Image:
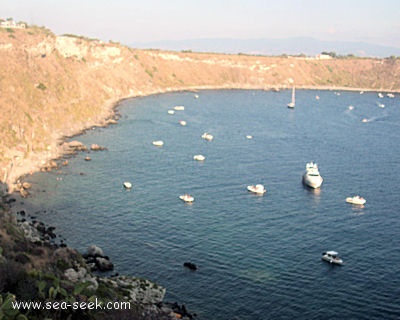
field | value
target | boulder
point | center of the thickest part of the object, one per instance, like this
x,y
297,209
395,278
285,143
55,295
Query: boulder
x,y
104,264
96,260
80,276
96,147
26,185
74,146
94,251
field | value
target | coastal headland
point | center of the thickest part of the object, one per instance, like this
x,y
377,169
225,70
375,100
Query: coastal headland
x,y
52,87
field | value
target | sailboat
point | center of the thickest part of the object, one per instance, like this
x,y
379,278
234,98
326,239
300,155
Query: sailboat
x,y
292,103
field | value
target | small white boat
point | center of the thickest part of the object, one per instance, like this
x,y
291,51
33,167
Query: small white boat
x,y
364,120
158,143
258,188
207,136
381,105
380,95
351,107
196,96
249,137
186,197
127,185
390,95
311,177
199,157
356,200
171,112
332,257
179,108
183,123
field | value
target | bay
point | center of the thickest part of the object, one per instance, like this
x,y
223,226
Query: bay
x,y
258,257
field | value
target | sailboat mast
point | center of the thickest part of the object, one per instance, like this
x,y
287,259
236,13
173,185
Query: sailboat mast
x,y
293,102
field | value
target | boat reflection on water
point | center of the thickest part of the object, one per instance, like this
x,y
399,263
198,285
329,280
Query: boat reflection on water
x,y
315,194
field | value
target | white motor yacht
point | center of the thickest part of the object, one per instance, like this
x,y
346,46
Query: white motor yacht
x,y
311,177
332,257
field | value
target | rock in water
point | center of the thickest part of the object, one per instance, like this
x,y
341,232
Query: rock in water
x,y
190,265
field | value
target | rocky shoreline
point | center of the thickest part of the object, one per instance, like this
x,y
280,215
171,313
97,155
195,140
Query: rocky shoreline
x,y
90,270
93,267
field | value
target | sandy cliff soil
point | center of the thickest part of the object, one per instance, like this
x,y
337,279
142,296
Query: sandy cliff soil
x,y
54,86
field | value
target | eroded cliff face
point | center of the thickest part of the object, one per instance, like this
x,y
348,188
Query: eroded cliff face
x,y
54,86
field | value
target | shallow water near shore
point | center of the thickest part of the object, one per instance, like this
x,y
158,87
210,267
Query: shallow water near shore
x,y
258,257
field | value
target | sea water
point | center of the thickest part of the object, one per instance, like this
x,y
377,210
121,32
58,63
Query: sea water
x,y
258,257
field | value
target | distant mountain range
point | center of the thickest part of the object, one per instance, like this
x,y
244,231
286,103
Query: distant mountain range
x,y
289,46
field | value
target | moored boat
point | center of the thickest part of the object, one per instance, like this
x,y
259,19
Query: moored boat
x,y
258,189
186,197
158,143
332,257
356,200
311,177
207,136
179,108
292,103
199,157
127,185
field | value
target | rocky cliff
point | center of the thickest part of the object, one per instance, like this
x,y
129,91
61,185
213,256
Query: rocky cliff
x,y
54,86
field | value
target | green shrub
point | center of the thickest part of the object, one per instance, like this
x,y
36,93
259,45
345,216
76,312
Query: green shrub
x,y
41,86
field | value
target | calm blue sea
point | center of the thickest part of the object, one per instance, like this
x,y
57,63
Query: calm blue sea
x,y
258,257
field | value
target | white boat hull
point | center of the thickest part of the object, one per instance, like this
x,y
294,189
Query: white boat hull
x,y
207,136
127,185
332,260
186,198
312,181
158,143
356,200
257,190
199,157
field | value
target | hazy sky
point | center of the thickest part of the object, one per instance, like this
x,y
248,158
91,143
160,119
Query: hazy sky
x,y
130,21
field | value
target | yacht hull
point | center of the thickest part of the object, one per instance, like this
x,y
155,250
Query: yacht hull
x,y
312,181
